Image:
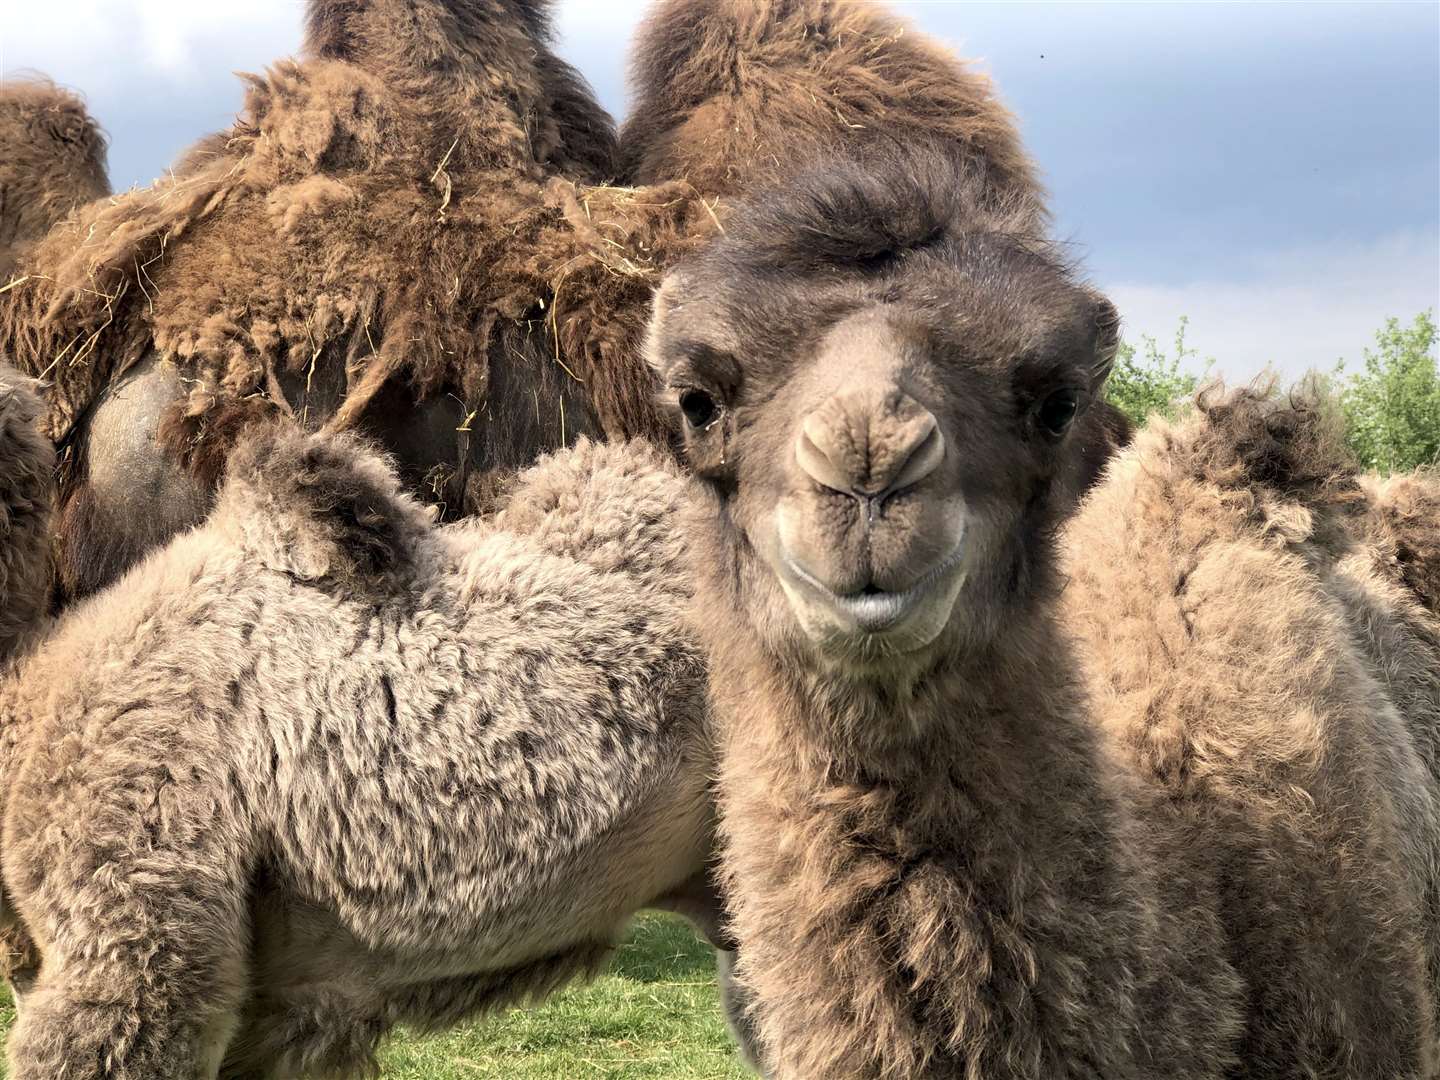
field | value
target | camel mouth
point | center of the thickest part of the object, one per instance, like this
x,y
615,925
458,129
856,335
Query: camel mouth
x,y
870,612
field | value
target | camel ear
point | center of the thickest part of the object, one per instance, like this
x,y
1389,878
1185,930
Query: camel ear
x,y
1107,341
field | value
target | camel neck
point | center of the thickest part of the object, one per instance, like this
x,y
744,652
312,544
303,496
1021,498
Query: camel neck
x,y
902,724
919,870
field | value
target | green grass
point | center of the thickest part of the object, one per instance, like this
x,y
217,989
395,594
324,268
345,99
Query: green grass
x,y
655,1014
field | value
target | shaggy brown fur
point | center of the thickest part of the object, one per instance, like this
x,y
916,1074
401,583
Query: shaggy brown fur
x,y
26,467
731,91
277,269
395,218
339,770
940,864
52,160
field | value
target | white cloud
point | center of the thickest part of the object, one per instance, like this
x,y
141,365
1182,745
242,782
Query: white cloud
x,y
100,43
1298,310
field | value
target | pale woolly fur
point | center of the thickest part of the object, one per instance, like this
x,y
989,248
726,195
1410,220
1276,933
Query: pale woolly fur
x,y
319,767
26,467
1248,661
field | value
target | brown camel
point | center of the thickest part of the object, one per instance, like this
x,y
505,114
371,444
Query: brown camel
x,y
53,161
26,467
409,233
1153,815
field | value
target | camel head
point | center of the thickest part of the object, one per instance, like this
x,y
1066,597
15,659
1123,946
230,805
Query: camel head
x,y
887,384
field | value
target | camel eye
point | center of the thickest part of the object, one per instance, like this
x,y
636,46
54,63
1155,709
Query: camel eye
x,y
700,409
1057,410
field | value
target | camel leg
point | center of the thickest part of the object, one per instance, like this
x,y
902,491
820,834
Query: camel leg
x,y
99,1015
81,1024
735,1002
699,901
137,894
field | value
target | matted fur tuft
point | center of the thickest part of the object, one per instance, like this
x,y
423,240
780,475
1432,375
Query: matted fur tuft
x,y
26,472
1292,443
321,507
1402,515
52,160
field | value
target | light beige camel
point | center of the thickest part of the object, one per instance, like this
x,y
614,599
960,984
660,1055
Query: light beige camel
x,y
319,767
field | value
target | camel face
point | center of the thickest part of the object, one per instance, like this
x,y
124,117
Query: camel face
x,y
882,382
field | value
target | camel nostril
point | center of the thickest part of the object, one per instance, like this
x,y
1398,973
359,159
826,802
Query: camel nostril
x,y
812,457
924,457
869,446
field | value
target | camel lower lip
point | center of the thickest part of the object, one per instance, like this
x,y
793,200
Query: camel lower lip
x,y
875,612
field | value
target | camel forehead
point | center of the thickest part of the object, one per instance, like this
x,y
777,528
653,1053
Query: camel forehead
x,y
972,315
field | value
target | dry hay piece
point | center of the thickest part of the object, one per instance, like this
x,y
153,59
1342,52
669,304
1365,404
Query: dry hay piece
x,y
52,159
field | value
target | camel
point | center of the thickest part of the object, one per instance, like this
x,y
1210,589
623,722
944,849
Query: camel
x,y
1403,520
1003,796
319,766
54,161
26,466
275,270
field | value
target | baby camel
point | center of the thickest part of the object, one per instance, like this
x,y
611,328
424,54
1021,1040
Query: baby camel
x,y
319,767
945,855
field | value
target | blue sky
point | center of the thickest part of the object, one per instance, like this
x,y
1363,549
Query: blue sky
x,y
1270,170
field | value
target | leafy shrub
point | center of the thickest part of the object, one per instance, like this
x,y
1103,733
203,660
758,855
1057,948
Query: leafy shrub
x,y
1392,405
1146,380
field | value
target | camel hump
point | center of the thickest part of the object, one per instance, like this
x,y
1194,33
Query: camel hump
x,y
324,507
728,91
1291,445
52,159
338,29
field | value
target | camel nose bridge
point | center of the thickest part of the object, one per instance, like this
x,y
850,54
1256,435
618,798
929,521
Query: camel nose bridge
x,y
869,442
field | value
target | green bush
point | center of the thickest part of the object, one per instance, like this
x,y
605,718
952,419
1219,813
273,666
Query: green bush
x,y
1146,380
1392,405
